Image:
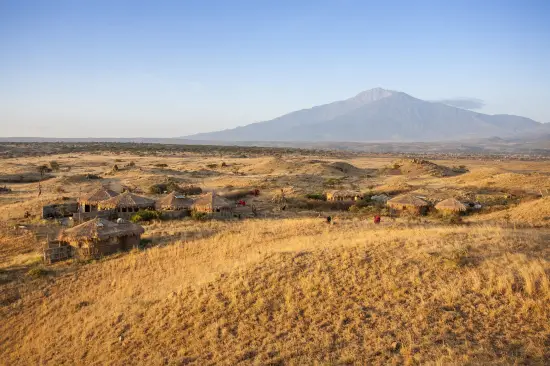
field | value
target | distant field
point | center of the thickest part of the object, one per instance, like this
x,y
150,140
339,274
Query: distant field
x,y
284,287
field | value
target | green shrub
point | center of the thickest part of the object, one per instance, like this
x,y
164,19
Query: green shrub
x,y
146,215
54,165
316,196
199,216
169,186
43,169
191,190
37,272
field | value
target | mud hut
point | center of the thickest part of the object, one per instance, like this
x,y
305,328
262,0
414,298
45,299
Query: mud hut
x,y
409,202
174,205
99,237
344,195
125,204
214,205
451,205
90,201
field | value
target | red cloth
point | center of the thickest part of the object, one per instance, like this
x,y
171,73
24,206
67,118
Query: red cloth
x,y
376,219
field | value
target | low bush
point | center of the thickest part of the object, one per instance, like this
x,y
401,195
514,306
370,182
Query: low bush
x,y
146,215
92,176
316,196
191,190
161,165
199,216
212,166
169,186
54,165
37,272
317,205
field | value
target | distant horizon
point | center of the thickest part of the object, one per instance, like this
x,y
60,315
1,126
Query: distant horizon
x,y
175,68
183,137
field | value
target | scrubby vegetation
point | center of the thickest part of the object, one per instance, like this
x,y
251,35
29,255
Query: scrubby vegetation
x,y
146,215
165,187
316,196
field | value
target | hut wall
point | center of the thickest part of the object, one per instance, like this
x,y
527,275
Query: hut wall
x,y
85,216
98,248
203,208
222,213
129,242
59,210
343,198
87,207
422,210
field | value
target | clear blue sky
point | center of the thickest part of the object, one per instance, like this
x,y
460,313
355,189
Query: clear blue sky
x,y
172,68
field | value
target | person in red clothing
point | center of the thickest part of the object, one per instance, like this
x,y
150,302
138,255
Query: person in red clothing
x,y
377,219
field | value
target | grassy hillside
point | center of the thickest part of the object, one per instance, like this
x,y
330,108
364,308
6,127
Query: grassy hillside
x,y
293,292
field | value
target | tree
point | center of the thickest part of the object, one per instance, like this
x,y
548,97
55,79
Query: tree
x,y
43,169
54,165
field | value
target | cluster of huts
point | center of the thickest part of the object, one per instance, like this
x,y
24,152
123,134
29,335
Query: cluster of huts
x,y
405,202
108,204
418,205
105,228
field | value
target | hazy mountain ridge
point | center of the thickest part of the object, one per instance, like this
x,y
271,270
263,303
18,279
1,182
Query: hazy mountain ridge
x,y
378,115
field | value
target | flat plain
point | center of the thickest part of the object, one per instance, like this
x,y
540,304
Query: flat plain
x,y
283,287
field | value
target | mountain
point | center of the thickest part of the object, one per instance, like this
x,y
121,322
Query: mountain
x,y
378,115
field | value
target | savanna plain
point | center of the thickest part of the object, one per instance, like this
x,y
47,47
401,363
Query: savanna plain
x,y
281,286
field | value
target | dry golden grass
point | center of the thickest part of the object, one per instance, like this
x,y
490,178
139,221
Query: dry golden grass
x,y
286,291
296,292
533,213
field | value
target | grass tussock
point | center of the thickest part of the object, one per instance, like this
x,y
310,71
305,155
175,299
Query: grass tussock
x,y
296,292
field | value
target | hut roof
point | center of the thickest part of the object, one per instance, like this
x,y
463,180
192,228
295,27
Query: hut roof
x,y
100,194
408,200
451,204
173,201
344,193
101,229
127,199
213,200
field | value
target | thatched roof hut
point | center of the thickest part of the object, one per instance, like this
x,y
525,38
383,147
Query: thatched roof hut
x,y
344,195
211,202
451,205
127,201
100,237
408,201
101,229
96,196
173,201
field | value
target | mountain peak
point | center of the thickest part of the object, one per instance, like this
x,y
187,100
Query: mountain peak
x,y
377,115
374,94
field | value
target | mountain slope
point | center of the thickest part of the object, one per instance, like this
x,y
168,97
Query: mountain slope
x,y
376,115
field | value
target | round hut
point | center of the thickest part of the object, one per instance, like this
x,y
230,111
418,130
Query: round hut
x,y
214,205
409,202
343,195
90,201
127,203
451,205
174,205
99,237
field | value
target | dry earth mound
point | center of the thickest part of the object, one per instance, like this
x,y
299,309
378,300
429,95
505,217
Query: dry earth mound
x,y
281,166
417,167
533,213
